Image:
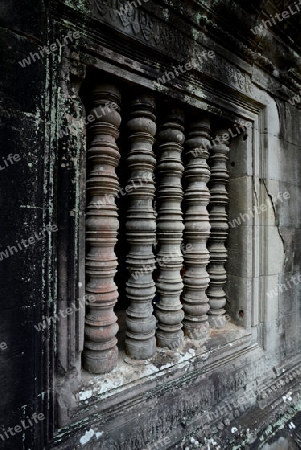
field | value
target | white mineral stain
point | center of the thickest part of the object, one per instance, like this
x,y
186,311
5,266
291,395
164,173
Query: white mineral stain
x,y
87,437
85,395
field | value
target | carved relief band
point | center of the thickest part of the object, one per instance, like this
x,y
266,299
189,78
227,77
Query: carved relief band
x,y
141,230
101,353
169,230
160,34
219,229
197,230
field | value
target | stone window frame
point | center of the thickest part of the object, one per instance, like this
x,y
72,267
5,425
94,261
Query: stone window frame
x,y
257,108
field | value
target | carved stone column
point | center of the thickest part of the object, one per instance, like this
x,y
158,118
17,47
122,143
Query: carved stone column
x,y
197,230
101,353
169,231
219,229
141,230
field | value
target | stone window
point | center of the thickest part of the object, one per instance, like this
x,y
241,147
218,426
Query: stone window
x,y
156,225
146,246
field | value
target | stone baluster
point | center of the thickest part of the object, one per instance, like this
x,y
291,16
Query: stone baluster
x,y
169,231
219,229
141,230
197,230
100,352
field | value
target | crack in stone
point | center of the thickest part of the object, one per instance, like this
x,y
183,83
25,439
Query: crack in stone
x,y
276,217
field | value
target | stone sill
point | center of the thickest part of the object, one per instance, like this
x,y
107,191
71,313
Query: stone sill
x,y
132,378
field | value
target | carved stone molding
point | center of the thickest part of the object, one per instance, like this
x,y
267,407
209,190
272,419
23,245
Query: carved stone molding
x,y
197,230
219,228
71,170
161,35
141,230
101,353
169,230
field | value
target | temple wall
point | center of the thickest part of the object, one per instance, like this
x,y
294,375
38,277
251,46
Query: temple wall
x,y
240,385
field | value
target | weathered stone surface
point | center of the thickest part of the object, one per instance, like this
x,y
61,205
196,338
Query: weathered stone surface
x,y
141,230
219,228
197,230
101,353
22,215
170,229
200,392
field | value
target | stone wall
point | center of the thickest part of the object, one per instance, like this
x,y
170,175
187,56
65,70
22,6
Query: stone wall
x,y
242,385
23,187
